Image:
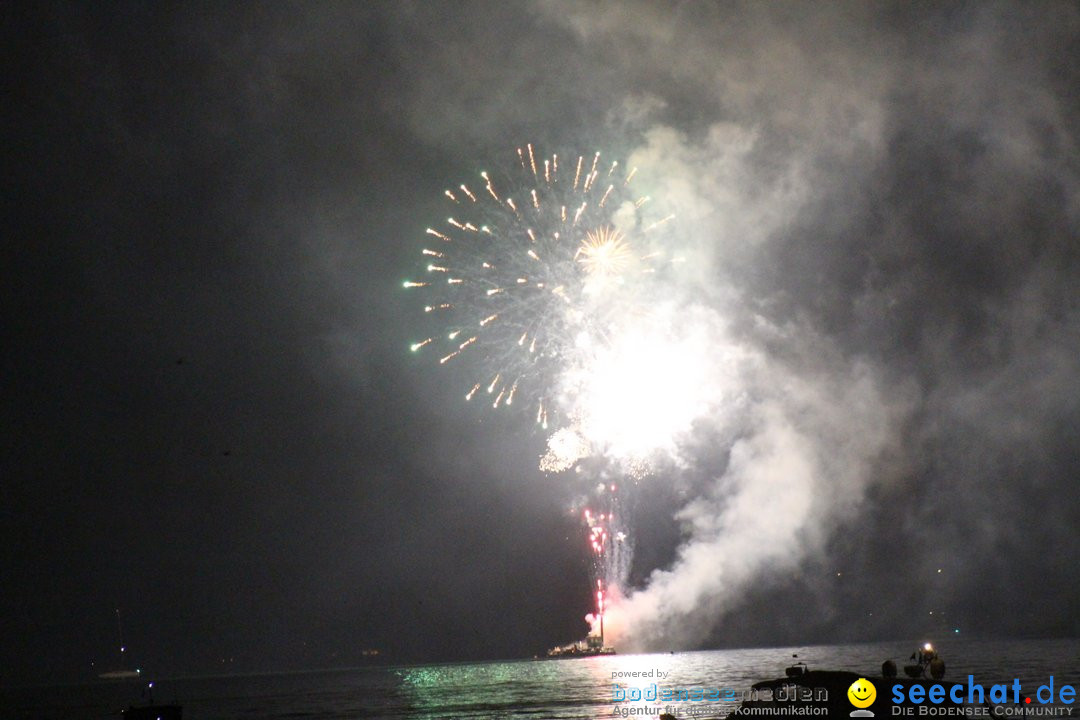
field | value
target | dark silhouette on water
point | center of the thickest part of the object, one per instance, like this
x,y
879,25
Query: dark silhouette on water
x,y
150,711
828,689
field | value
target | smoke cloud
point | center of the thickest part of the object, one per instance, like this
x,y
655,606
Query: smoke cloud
x,y
880,235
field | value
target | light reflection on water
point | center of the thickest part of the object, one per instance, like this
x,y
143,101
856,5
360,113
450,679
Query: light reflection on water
x,y
558,689
582,687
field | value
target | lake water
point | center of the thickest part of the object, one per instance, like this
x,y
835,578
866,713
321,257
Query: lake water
x,y
572,688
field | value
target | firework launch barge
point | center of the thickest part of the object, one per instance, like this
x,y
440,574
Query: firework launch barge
x,y
590,646
593,644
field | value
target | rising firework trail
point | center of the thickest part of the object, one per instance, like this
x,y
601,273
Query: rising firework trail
x,y
610,551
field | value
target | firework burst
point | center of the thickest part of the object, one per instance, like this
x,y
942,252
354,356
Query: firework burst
x,y
530,274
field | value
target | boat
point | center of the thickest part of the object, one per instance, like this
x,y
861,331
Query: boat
x,y
589,647
579,649
121,672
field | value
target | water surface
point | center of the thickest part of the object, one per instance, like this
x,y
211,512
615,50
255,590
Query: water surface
x,y
533,689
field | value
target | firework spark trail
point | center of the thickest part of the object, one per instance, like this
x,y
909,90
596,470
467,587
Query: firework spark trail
x,y
611,551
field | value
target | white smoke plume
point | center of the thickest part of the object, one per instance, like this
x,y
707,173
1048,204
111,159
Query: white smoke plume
x,y
806,428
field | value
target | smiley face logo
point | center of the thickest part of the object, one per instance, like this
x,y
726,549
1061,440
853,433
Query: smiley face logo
x,y
862,693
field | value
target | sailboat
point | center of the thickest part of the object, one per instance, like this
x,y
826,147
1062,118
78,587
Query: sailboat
x,y
122,672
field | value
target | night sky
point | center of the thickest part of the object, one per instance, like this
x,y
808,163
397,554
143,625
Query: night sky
x,y
210,418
